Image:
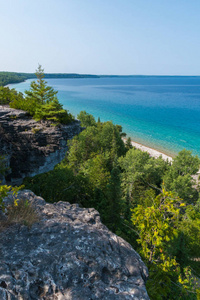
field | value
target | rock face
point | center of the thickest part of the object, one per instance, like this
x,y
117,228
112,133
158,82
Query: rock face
x,y
68,254
31,147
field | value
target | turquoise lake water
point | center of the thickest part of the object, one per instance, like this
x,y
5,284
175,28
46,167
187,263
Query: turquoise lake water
x,y
161,112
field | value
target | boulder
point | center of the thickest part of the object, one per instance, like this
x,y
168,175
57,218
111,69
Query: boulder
x,y
67,254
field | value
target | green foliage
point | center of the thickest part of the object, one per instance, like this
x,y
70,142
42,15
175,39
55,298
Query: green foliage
x,y
11,77
95,169
110,138
114,201
182,185
184,163
24,104
39,91
19,211
53,111
8,95
86,119
83,147
178,178
58,185
190,227
129,189
104,138
157,226
4,190
40,101
128,144
140,172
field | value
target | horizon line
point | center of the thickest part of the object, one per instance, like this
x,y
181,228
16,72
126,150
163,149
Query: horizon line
x,y
105,75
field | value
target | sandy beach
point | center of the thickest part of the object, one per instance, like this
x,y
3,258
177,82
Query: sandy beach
x,y
151,151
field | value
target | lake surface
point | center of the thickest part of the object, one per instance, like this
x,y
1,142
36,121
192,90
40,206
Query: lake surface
x,y
162,112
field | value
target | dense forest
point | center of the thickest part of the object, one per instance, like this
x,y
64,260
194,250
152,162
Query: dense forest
x,y
11,77
151,203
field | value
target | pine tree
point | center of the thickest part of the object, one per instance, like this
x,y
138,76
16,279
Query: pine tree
x,y
53,111
128,144
39,91
114,199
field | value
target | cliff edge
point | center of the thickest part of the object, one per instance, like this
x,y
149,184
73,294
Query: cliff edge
x,y
67,254
31,147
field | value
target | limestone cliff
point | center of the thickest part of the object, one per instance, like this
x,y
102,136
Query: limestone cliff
x,y
68,254
31,147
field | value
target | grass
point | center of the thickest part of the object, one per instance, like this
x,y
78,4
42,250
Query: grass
x,y
20,212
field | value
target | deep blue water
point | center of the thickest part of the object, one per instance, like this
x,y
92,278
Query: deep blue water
x,y
162,112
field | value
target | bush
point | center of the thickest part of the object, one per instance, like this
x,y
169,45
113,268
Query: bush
x,y
29,105
8,95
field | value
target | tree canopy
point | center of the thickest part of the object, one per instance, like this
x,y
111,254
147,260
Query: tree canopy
x,y
40,101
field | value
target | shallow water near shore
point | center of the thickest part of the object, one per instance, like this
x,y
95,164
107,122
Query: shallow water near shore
x,y
162,112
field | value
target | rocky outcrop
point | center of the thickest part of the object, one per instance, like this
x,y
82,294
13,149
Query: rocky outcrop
x,y
31,147
68,254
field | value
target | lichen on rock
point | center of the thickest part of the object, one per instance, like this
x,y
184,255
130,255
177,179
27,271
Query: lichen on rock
x,y
67,254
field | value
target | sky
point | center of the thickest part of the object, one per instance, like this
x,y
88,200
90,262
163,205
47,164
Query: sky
x,y
123,37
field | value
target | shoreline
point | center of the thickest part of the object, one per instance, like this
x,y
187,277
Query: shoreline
x,y
153,152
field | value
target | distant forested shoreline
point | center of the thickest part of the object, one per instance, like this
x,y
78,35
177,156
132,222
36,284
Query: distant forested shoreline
x,y
14,77
11,77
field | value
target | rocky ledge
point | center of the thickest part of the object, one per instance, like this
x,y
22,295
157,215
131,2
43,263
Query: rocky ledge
x,y
68,254
31,147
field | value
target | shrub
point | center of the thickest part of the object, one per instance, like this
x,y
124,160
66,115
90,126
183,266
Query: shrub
x,y
8,95
4,189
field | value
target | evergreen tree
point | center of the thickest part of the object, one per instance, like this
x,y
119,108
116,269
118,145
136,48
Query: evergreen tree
x,y
114,200
39,91
128,144
53,111
96,170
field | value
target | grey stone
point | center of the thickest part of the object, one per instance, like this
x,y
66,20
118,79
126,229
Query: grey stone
x,y
67,254
31,147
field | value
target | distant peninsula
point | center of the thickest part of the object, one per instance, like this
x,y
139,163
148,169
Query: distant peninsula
x,y
14,77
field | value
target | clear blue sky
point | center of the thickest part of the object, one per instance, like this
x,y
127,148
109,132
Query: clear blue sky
x,y
101,36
